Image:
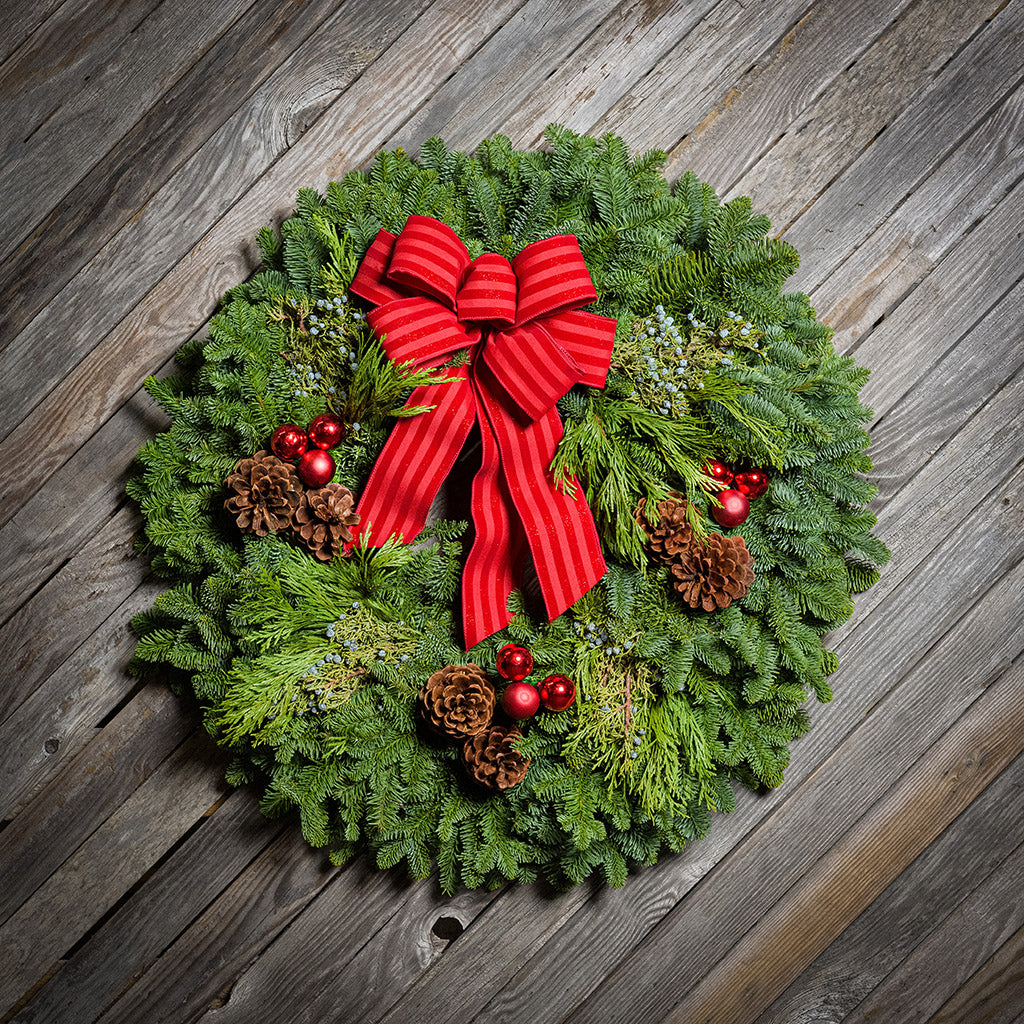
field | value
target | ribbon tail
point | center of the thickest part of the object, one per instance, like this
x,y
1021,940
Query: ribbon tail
x,y
414,462
560,530
495,559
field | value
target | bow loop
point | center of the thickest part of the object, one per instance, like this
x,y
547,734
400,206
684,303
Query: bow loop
x,y
552,278
489,292
429,257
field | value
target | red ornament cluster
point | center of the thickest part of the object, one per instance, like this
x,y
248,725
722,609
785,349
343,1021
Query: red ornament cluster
x,y
291,443
522,699
741,488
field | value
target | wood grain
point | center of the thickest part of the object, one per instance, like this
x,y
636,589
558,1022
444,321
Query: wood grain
x,y
207,860
40,171
198,971
159,226
59,59
797,928
121,184
124,754
923,909
978,77
21,20
956,951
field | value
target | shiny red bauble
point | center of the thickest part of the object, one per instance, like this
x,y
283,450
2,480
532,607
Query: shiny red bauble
x,y
734,509
751,482
520,700
514,662
719,471
315,468
557,692
326,431
288,442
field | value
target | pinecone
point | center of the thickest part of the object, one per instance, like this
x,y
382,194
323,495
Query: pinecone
x,y
266,493
491,757
714,574
323,519
671,534
458,701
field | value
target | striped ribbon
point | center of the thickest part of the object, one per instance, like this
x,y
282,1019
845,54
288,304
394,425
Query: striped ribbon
x,y
528,343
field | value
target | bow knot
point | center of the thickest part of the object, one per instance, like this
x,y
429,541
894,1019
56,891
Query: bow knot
x,y
528,343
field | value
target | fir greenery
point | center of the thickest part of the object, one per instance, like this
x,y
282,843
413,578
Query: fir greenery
x,y
309,672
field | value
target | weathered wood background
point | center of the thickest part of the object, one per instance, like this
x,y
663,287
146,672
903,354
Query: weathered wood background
x,y
144,142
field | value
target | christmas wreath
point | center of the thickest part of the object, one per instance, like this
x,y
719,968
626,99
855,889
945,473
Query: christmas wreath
x,y
655,510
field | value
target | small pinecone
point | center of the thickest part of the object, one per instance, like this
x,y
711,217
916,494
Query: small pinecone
x,y
492,759
671,534
714,574
265,494
324,519
458,701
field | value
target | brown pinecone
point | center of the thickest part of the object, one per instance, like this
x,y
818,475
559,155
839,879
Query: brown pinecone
x,y
671,533
714,574
458,701
492,759
265,494
323,519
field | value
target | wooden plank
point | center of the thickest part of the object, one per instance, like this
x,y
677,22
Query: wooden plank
x,y
800,156
52,527
972,278
61,56
877,275
961,946
60,718
155,914
762,105
88,791
938,787
354,973
978,78
88,589
108,864
350,131
121,184
596,76
584,48
600,936
199,970
994,994
910,433
672,99
20,20
942,886
40,171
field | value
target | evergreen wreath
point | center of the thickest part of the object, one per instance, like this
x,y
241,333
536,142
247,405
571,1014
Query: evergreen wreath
x,y
335,671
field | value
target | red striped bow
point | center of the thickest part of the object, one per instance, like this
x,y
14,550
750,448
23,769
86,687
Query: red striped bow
x,y
528,344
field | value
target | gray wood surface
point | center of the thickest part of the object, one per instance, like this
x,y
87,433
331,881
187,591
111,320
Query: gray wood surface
x,y
143,144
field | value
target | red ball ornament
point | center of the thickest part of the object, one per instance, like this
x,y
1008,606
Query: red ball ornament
x,y
514,662
719,471
520,700
326,431
288,442
751,482
734,509
557,693
316,468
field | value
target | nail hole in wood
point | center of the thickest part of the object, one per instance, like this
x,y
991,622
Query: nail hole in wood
x,y
447,928
52,745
